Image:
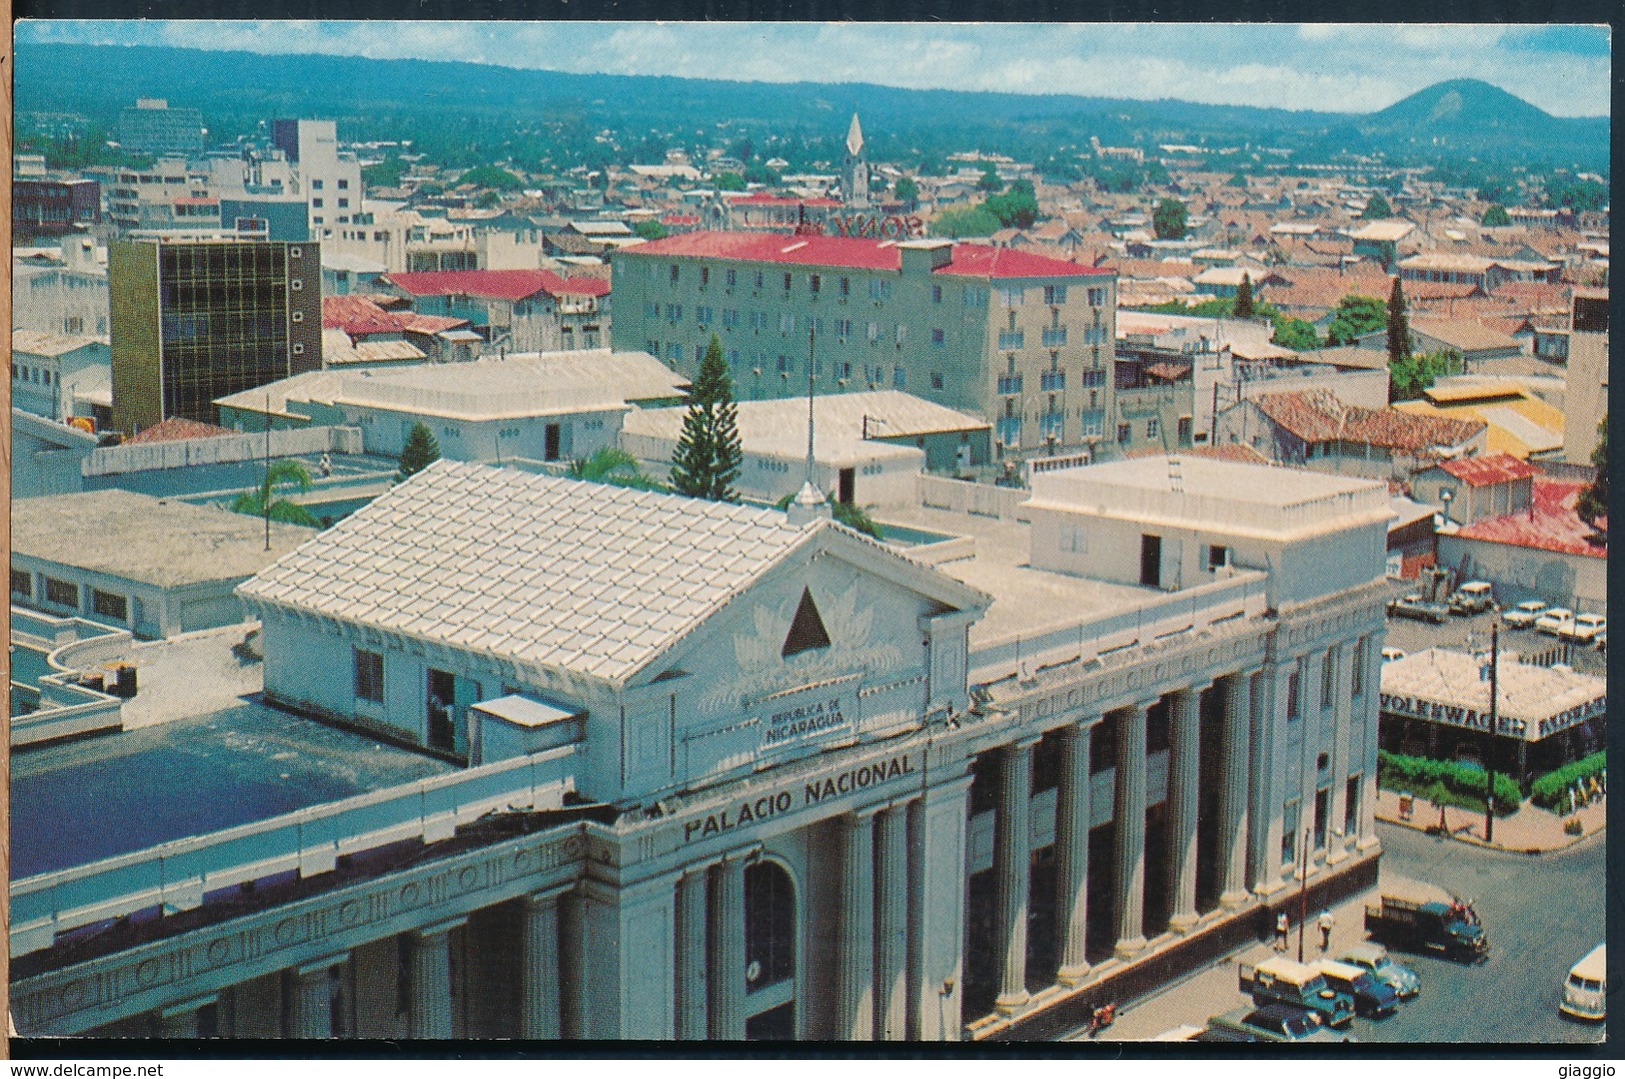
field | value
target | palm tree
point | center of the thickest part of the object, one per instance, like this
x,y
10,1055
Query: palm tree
x,y
613,465
264,503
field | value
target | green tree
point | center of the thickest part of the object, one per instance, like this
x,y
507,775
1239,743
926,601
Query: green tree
x,y
491,176
1296,334
990,181
1592,505
969,221
1243,307
1377,209
1410,375
1238,180
1399,327
1495,216
758,173
730,181
263,502
907,191
707,458
420,451
1016,208
650,229
1169,219
1355,316
386,173
488,200
613,465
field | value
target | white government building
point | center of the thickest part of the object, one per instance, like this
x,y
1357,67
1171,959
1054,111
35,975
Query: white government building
x,y
730,776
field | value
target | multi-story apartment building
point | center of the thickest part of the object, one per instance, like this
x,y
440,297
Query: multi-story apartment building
x,y
167,196
516,310
152,127
329,180
1019,339
66,295
45,209
196,321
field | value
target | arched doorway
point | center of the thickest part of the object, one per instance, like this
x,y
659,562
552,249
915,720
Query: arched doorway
x,y
770,953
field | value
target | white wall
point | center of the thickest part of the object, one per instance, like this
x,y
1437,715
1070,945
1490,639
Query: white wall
x,y
1520,573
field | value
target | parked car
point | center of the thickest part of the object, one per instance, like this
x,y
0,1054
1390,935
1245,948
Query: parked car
x,y
1524,614
1414,606
1472,598
1375,958
1372,999
1586,988
1225,1034
1585,629
1554,621
1277,1023
1279,980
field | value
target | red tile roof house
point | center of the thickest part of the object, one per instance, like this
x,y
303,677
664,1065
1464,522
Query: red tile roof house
x,y
1477,487
1313,428
1542,552
364,319
515,310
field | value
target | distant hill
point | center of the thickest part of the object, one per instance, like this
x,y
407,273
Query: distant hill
x,y
471,112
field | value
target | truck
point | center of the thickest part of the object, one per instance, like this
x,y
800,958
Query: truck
x,y
1423,918
1474,597
1282,981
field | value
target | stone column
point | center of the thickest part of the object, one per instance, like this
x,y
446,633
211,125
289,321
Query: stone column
x,y
1342,716
180,1020
539,1006
309,990
1235,767
727,967
1129,821
1269,748
1072,816
855,942
891,923
428,979
1369,703
938,822
691,951
1183,765
1012,864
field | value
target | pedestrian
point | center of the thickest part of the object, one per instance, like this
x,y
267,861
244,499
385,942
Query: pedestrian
x,y
1325,921
1281,927
326,465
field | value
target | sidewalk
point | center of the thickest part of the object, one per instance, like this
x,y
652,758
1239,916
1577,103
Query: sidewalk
x,y
1214,988
1531,830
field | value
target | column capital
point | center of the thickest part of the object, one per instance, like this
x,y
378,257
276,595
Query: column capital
x,y
319,966
184,1007
546,896
437,929
1196,688
1023,741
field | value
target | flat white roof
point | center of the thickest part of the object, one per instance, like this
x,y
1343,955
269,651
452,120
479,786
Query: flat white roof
x,y
523,711
1449,687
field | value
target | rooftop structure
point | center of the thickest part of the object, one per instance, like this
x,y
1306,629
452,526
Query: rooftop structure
x,y
1532,702
1518,422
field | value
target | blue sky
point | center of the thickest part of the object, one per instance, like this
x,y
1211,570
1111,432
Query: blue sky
x,y
1331,67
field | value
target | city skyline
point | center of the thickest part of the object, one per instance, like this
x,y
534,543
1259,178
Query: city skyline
x,y
1564,70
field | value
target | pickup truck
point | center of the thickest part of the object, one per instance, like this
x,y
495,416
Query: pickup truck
x,y
1414,606
1416,920
1277,1023
1282,981
1472,598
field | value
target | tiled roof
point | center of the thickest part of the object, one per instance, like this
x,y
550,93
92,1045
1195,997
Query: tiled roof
x,y
1493,468
1318,416
1463,334
763,198
582,578
357,316
176,429
1550,524
969,260
496,284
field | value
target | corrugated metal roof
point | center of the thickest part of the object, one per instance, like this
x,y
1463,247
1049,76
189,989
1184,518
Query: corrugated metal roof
x,y
1550,524
581,577
1493,468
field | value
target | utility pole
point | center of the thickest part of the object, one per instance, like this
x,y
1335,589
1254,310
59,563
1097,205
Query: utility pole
x,y
266,497
1303,893
1489,746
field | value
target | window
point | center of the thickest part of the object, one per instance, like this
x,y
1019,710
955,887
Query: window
x,y
705,276
1054,294
22,583
1124,432
1328,677
936,380
369,676
1357,673
1010,340
344,204
975,296
1184,430
938,339
843,328
1097,297
1052,381
62,593
1011,296
702,315
730,278
297,316
845,287
787,322
109,604
673,274
936,293
652,310
1292,695
758,320
814,283
344,185
902,332
298,349
1055,337
899,378
1218,557
874,332
1152,428
1290,814
787,282
759,278
879,289
315,185
316,203
674,312
730,317
296,284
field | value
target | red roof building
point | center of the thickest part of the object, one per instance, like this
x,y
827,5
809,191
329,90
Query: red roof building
x,y
853,253
508,285
1495,468
1550,524
176,429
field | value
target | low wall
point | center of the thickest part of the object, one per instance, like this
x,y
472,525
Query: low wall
x,y
120,460
981,499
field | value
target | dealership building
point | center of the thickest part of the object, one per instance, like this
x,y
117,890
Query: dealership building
x,y
721,772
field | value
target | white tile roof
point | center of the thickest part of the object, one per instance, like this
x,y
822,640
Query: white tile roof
x,y
581,577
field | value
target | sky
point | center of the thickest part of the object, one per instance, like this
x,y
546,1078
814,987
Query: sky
x,y
1326,67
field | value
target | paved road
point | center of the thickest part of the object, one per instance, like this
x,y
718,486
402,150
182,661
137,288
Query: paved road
x,y
1465,633
1542,913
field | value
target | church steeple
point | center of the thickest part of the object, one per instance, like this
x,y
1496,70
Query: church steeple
x,y
855,169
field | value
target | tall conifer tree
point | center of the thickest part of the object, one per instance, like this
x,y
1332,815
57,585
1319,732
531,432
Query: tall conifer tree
x,y
707,458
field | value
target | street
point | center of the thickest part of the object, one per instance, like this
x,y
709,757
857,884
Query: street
x,y
1542,915
1465,633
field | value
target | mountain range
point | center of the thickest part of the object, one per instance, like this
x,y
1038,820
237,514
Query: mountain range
x,y
375,99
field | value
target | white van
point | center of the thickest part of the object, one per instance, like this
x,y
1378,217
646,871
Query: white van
x,y
1586,987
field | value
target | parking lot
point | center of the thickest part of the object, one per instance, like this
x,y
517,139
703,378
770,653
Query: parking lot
x,y
1466,633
